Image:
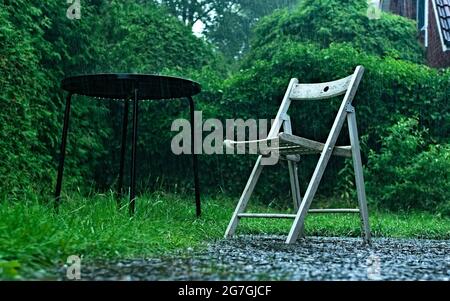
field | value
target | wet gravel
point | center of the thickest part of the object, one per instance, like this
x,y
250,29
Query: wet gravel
x,y
268,258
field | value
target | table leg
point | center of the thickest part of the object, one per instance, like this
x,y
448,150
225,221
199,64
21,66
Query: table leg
x,y
194,159
62,153
133,154
123,150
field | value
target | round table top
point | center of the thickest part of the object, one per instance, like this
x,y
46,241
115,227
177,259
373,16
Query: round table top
x,y
123,86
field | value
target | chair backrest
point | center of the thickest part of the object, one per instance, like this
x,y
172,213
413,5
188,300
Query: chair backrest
x,y
297,91
320,91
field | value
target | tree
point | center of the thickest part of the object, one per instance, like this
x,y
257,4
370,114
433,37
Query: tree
x,y
228,23
191,11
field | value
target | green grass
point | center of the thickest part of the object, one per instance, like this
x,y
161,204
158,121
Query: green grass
x,y
33,237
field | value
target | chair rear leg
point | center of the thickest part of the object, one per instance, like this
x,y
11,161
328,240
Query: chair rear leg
x,y
242,204
295,187
359,177
297,228
295,190
293,170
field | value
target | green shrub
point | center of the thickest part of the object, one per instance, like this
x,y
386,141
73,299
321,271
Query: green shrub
x,y
408,172
23,88
323,22
390,88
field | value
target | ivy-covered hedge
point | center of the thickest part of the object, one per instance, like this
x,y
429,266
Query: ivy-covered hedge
x,y
324,22
39,47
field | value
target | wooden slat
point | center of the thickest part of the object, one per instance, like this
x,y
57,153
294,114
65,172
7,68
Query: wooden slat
x,y
266,215
317,147
321,90
333,211
289,145
292,216
293,158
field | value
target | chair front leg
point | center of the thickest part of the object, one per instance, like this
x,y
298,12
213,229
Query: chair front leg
x,y
359,177
245,197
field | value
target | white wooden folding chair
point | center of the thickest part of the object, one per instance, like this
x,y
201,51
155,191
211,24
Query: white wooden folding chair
x,y
290,147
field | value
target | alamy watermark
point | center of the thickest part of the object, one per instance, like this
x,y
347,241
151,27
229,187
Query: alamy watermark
x,y
374,9
74,10
220,139
73,271
373,263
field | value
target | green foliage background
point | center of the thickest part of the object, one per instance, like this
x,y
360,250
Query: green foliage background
x,y
40,46
402,105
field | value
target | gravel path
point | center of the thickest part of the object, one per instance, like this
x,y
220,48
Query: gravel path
x,y
268,258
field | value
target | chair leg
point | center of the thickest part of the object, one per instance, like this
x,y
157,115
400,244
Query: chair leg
x,y
297,226
295,187
295,190
242,204
359,177
293,172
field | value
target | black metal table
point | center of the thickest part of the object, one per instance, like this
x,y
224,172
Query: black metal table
x,y
129,87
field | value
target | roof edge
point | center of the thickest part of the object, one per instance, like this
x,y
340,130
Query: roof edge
x,y
445,47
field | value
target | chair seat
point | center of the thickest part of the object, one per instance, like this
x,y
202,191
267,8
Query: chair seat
x,y
287,145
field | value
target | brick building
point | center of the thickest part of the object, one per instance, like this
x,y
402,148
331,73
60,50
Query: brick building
x,y
433,20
